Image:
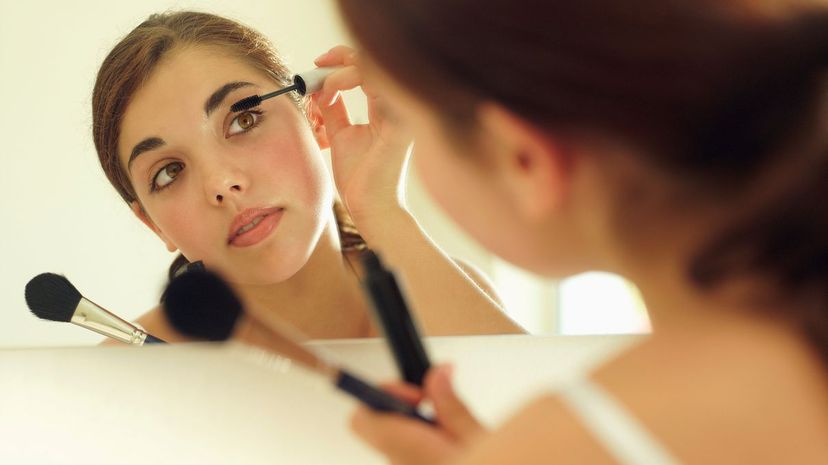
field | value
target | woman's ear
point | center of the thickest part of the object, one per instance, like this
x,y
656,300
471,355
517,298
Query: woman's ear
x,y
535,168
138,210
317,123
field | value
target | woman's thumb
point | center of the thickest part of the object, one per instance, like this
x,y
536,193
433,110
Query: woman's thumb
x,y
452,414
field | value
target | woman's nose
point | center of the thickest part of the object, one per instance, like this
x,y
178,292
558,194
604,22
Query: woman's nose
x,y
225,183
219,197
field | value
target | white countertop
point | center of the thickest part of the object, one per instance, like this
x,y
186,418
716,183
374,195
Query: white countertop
x,y
205,404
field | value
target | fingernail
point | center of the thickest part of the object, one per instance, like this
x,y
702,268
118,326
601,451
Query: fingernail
x,y
321,57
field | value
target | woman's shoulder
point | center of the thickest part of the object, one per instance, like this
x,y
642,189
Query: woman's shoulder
x,y
581,423
541,430
479,278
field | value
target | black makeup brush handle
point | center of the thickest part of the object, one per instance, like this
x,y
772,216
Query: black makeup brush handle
x,y
376,398
395,319
153,340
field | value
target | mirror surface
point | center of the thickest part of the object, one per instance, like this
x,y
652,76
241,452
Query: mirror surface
x,y
62,215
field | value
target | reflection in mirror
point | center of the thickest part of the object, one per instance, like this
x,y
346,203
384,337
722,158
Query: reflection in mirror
x,y
244,193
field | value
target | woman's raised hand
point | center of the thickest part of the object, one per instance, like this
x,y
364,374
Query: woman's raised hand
x,y
368,159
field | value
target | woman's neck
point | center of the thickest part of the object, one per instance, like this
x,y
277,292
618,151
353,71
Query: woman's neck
x,y
673,301
735,320
323,299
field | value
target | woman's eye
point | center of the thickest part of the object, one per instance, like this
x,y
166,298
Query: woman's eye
x,y
166,175
243,122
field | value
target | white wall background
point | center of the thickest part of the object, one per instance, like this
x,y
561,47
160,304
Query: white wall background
x,y
60,214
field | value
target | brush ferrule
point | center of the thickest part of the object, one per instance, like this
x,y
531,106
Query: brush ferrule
x,y
263,357
94,318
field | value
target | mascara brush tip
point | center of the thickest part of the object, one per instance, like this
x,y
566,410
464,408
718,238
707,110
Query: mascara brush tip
x,y
246,103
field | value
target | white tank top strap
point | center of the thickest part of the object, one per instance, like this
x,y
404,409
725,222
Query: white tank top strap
x,y
613,426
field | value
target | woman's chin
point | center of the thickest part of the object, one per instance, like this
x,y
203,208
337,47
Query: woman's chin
x,y
267,272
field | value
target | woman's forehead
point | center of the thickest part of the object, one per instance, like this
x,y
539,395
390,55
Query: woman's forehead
x,y
191,75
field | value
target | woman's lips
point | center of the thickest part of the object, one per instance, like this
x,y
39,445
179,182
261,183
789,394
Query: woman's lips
x,y
253,226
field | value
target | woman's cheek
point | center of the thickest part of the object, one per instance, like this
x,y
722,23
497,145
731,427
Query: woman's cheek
x,y
184,222
438,175
297,172
186,233
455,184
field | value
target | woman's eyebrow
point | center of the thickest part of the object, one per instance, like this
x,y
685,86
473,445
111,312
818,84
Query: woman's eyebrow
x,y
150,143
218,96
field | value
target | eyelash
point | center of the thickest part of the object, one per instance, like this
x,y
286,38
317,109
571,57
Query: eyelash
x,y
153,187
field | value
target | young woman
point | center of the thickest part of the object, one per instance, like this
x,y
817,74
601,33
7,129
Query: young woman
x,y
681,144
249,194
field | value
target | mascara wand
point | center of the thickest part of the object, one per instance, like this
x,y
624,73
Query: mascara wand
x,y
303,83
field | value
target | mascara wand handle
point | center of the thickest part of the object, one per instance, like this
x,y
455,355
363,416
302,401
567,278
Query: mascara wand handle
x,y
311,81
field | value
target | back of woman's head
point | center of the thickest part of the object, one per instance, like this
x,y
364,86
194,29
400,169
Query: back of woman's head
x,y
722,100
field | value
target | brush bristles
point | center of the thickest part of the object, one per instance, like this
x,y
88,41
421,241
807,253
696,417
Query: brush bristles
x,y
246,103
199,304
52,297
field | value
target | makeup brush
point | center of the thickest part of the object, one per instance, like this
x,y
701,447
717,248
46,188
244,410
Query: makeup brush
x,y
395,319
52,297
201,305
303,83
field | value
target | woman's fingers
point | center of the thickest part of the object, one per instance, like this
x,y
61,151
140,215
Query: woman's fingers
x,y
346,78
337,56
406,441
347,58
401,439
330,102
410,394
452,413
334,115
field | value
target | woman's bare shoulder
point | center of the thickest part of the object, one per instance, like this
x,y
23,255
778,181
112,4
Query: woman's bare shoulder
x,y
480,279
543,431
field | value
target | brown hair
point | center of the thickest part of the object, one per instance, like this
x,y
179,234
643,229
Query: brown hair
x,y
132,61
724,103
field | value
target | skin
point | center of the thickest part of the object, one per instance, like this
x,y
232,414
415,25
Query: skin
x,y
226,169
212,167
551,201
